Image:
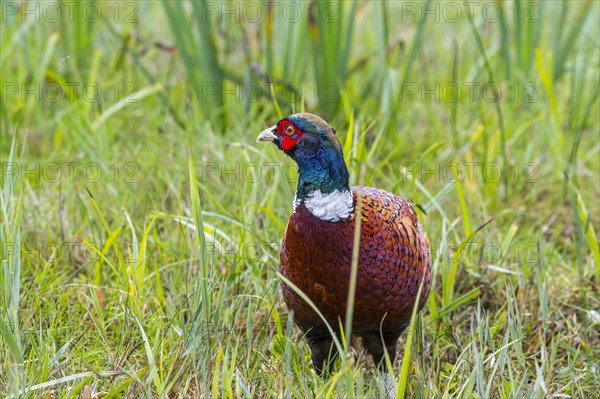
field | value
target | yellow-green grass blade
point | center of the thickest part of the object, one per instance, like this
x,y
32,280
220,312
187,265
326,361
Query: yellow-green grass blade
x,y
448,280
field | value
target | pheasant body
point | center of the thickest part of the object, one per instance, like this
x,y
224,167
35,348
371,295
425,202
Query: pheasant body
x,y
316,256
317,246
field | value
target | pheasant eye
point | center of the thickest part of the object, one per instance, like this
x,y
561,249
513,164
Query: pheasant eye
x,y
289,130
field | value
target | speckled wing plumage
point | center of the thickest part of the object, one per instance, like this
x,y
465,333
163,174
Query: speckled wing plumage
x,y
394,258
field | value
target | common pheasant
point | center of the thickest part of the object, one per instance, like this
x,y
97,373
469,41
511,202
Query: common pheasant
x,y
316,249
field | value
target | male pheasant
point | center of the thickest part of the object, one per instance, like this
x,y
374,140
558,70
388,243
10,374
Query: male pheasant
x,y
316,250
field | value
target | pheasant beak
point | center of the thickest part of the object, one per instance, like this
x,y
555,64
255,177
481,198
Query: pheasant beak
x,y
268,135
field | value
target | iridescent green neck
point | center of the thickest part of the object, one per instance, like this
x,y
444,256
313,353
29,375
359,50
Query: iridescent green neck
x,y
324,171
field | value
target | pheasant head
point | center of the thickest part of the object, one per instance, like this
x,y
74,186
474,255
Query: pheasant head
x,y
323,177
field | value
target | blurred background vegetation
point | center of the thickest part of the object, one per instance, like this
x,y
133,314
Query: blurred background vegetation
x,y
140,224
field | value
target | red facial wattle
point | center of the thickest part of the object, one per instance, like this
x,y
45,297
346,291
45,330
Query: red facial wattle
x,y
290,135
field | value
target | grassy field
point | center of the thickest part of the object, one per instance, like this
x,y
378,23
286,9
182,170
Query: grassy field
x,y
140,222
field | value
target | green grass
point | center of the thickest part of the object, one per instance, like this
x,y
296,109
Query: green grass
x,y
140,229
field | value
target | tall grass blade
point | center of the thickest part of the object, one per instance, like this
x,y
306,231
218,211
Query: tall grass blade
x,y
448,280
